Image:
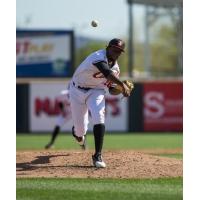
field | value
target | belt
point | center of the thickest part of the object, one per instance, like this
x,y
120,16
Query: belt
x,y
83,88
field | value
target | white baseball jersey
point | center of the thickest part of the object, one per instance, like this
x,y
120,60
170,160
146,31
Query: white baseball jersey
x,y
87,74
63,96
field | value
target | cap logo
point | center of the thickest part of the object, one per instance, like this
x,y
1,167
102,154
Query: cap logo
x,y
120,43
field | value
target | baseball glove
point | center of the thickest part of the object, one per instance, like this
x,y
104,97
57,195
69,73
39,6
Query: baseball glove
x,y
118,89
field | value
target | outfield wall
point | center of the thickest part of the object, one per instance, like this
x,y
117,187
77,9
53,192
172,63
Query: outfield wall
x,y
153,106
156,106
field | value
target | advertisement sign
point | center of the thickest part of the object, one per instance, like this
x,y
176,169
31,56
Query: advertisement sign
x,y
44,109
163,106
44,55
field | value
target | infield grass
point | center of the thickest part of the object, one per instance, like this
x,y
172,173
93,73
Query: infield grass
x,y
111,141
93,189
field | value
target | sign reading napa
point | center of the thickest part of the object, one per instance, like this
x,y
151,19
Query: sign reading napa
x,y
44,55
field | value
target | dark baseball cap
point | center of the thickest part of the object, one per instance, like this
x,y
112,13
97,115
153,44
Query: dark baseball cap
x,y
117,43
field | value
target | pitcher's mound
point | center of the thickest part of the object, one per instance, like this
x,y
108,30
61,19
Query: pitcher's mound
x,y
120,164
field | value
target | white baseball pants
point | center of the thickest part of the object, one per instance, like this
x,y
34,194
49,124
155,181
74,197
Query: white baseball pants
x,y
82,101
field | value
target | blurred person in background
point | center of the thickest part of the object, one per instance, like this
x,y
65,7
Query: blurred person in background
x,y
62,118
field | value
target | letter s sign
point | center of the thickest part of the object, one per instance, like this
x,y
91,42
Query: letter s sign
x,y
153,105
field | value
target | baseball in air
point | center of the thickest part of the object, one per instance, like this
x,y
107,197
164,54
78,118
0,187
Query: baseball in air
x,y
94,23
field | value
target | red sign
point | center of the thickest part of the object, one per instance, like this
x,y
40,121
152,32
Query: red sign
x,y
51,107
163,106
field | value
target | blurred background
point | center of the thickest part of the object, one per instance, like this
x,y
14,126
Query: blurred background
x,y
54,37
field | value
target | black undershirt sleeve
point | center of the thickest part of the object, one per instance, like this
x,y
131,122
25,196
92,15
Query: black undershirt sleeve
x,y
103,68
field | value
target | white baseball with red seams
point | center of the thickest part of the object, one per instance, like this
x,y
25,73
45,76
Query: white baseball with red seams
x,y
88,76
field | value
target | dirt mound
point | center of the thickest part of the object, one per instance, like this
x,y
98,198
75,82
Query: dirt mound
x,y
120,164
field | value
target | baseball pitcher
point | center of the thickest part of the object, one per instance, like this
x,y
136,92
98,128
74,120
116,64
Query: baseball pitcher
x,y
97,72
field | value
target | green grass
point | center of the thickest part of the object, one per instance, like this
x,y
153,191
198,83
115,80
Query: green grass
x,y
111,141
176,155
93,189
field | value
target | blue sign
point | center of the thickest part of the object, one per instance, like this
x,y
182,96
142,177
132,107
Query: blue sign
x,y
44,53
